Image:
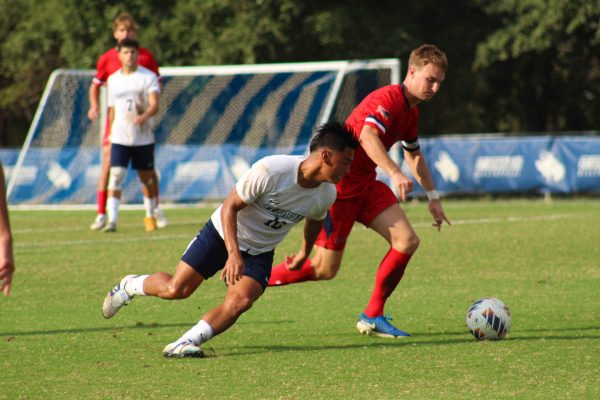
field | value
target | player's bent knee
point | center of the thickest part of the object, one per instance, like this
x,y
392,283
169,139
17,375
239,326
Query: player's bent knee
x,y
173,292
407,245
238,305
117,177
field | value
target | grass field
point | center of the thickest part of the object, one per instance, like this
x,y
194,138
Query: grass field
x,y
300,341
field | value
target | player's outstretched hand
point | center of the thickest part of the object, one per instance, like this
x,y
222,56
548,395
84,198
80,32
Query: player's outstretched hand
x,y
436,210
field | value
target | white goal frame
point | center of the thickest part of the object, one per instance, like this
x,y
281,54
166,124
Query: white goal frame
x,y
342,68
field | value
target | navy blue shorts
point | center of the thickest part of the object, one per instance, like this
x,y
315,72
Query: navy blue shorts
x,y
141,157
207,254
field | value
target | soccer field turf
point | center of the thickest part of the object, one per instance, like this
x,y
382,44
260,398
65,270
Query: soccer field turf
x,y
300,341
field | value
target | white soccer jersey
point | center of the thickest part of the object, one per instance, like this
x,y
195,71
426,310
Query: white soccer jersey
x,y
275,203
128,95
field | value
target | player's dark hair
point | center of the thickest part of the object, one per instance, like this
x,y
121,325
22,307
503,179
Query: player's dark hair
x,y
128,43
334,135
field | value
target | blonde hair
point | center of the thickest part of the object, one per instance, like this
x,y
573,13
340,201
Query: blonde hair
x,y
428,54
125,19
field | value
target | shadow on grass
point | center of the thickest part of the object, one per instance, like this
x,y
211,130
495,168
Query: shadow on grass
x,y
513,331
138,325
419,338
372,342
386,343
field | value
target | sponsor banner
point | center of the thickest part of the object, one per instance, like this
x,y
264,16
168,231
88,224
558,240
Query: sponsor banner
x,y
187,173
581,157
190,173
544,164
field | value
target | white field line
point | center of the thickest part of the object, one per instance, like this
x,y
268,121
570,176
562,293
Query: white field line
x,y
87,229
107,240
104,238
550,217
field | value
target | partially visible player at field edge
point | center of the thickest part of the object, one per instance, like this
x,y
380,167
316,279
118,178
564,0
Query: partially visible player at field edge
x,y
132,101
241,235
7,263
124,27
384,117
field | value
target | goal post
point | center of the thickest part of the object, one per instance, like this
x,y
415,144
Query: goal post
x,y
213,123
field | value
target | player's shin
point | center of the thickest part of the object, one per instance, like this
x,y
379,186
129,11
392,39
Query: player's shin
x,y
388,276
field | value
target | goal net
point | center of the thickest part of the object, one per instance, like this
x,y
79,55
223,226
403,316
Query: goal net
x,y
213,123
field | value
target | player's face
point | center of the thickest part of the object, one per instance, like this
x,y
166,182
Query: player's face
x,y
128,57
124,31
426,81
339,161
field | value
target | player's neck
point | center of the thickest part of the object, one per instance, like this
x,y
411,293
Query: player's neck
x,y
128,70
307,175
412,100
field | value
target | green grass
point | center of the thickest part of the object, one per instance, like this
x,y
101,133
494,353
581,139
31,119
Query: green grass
x,y
300,341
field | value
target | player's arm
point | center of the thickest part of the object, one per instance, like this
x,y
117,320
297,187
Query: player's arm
x,y
111,116
234,267
94,95
312,228
373,146
417,164
94,91
150,111
7,265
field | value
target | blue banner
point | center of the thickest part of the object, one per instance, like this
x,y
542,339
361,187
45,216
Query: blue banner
x,y
190,173
543,164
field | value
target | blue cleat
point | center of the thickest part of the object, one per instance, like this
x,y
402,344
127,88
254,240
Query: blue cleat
x,y
379,326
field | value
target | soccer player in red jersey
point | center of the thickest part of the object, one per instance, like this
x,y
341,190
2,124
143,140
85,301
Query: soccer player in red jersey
x,y
386,116
124,27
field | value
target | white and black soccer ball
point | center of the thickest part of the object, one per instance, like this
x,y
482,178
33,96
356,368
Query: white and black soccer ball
x,y
489,318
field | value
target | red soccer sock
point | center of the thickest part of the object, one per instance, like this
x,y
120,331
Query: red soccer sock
x,y
388,277
280,275
101,196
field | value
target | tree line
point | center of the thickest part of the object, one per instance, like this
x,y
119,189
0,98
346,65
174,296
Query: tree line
x,y
514,65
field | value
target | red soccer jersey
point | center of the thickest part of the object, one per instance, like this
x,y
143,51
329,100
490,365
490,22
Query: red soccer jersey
x,y
109,63
387,110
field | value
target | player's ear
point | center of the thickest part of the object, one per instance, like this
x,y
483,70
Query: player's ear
x,y
326,156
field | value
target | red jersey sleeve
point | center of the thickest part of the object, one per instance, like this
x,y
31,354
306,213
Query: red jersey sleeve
x,y
387,110
147,60
101,70
380,112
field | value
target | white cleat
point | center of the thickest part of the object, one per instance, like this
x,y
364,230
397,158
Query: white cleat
x,y
183,348
110,227
99,222
116,298
161,220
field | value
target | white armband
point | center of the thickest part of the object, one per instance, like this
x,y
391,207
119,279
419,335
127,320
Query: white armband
x,y
433,195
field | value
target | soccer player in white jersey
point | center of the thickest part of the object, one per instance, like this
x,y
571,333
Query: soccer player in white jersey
x,y
132,100
241,235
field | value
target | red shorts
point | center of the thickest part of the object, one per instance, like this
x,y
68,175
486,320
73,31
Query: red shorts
x,y
363,208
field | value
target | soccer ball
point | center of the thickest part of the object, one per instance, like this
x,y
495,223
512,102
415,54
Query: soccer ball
x,y
489,318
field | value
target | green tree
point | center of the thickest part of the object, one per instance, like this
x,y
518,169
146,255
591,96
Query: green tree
x,y
540,70
528,65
